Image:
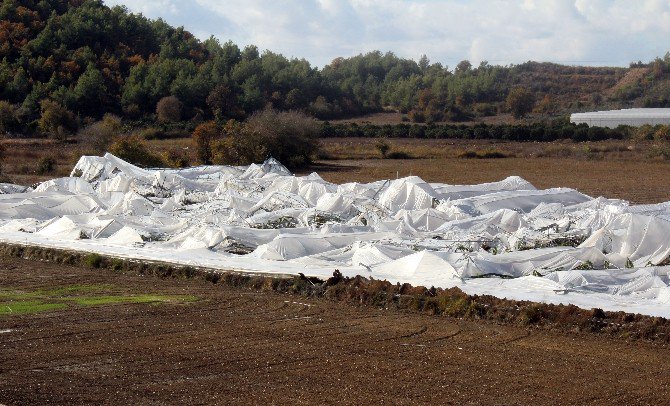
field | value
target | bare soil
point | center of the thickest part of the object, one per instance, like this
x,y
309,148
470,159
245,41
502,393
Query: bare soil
x,y
638,182
235,346
614,169
631,77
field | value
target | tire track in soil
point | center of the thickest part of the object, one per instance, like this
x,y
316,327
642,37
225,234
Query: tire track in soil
x,y
240,347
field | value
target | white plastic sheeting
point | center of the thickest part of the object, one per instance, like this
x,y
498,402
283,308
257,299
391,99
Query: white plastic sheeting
x,y
615,118
503,238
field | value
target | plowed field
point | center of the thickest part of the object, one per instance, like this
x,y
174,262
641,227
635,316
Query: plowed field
x,y
113,338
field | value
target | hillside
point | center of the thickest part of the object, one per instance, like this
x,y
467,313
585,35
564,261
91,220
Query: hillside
x,y
65,63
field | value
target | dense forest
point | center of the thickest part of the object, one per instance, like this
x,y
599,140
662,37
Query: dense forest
x,y
66,63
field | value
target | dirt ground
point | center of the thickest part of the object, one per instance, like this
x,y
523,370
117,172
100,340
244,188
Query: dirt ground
x,y
615,169
632,180
235,346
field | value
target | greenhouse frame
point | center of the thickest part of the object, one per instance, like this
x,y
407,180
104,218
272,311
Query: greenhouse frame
x,y
615,118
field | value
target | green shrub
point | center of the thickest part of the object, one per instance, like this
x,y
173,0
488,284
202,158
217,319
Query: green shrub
x,y
46,165
116,264
150,133
55,120
662,133
132,111
399,155
659,151
133,149
383,147
290,137
168,109
492,154
484,109
468,154
93,260
644,133
2,156
544,132
7,116
487,154
417,116
520,102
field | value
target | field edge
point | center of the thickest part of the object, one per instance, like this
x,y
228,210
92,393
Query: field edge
x,y
361,291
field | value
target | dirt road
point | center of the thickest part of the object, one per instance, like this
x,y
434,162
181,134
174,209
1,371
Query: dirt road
x,y
199,343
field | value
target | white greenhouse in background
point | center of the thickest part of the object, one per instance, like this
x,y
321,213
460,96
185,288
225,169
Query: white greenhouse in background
x,y
615,118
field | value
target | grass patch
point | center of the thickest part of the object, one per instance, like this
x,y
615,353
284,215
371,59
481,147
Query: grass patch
x,y
93,260
40,300
28,306
73,289
8,294
111,300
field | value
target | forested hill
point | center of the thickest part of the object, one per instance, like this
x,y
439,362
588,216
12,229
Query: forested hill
x,y
84,59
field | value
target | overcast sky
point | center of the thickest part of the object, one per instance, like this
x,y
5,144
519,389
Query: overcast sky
x,y
577,32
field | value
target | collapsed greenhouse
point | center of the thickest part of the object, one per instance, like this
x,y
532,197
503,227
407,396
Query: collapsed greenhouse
x,y
506,238
615,118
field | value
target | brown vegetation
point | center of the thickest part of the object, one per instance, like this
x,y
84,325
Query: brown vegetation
x,y
368,148
632,76
555,164
203,137
56,121
98,137
135,150
168,109
290,137
589,167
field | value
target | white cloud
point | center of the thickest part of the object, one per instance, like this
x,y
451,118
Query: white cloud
x,y
148,7
596,32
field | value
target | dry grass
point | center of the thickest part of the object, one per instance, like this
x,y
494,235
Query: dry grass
x,y
375,118
616,169
20,163
639,181
366,148
631,77
22,156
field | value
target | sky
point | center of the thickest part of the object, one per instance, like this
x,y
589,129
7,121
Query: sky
x,y
502,32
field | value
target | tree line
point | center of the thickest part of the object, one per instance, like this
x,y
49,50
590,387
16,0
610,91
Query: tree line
x,y
554,130
66,63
